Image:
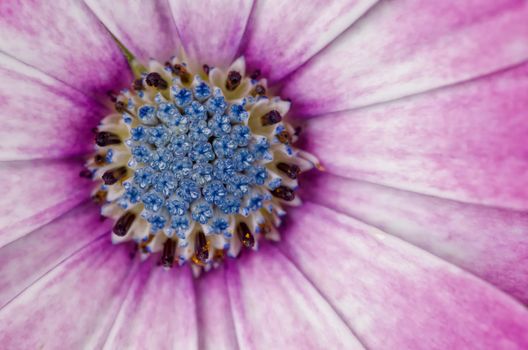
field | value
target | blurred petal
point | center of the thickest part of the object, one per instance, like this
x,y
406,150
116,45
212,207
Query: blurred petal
x,y
145,28
215,319
396,296
276,307
72,306
491,243
282,35
407,47
42,117
211,30
64,39
25,260
466,142
158,312
35,193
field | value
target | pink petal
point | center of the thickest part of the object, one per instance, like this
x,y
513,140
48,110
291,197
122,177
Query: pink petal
x,y
406,47
396,296
25,260
491,243
146,28
215,319
211,30
64,39
158,311
282,35
276,307
35,193
72,306
467,142
42,117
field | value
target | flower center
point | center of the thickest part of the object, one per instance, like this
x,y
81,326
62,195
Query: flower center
x,y
196,164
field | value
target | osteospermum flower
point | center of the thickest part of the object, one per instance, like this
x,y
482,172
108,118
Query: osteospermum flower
x,y
154,154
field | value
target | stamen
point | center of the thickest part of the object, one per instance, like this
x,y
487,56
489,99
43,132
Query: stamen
x,y
255,75
87,174
99,197
138,84
284,137
206,69
270,118
120,107
201,247
169,251
284,192
259,90
182,72
292,170
105,138
155,80
111,176
233,80
245,236
124,223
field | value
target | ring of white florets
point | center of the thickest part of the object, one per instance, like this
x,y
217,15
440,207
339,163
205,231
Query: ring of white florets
x,y
196,165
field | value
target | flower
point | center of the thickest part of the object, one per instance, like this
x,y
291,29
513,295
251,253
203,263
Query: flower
x,y
415,236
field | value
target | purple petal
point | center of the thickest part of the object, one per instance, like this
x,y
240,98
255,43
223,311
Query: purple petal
x,y
158,311
42,117
215,319
211,31
406,47
282,35
491,243
72,306
396,296
276,307
64,39
146,28
35,193
27,259
467,142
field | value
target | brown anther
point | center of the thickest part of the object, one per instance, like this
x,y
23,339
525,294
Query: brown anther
x,y
99,159
291,170
182,72
87,174
284,193
122,225
255,75
105,138
168,65
245,236
206,69
201,247
259,90
155,80
270,118
111,96
298,130
264,228
111,176
284,137
138,84
120,107
233,80
169,250
99,197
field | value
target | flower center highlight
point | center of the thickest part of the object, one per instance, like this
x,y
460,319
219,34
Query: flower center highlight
x,y
196,163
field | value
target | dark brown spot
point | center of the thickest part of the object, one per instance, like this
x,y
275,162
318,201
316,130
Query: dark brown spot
x,y
168,65
291,170
259,90
99,159
255,75
284,137
105,138
284,193
120,107
155,80
298,130
122,225
167,256
206,69
245,236
233,80
270,118
138,84
87,174
182,72
99,197
111,176
201,247
111,96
